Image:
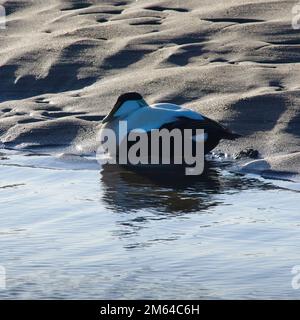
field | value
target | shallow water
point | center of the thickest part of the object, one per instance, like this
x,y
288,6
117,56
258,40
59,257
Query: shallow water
x,y
70,229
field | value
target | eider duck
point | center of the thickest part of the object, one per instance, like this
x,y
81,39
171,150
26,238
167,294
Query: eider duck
x,y
138,114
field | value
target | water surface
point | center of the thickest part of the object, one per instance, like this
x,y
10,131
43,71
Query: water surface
x,y
70,229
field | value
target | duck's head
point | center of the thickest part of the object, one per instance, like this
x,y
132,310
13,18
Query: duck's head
x,y
125,105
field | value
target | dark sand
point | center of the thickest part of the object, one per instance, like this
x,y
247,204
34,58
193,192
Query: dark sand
x,y
64,63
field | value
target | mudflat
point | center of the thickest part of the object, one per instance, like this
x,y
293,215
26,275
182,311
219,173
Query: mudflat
x,y
64,63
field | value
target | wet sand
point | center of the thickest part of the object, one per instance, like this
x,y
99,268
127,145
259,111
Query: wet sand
x,y
64,63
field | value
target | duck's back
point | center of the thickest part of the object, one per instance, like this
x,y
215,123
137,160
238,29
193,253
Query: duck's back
x,y
158,115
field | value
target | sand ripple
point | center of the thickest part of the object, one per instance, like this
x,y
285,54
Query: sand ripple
x,y
63,64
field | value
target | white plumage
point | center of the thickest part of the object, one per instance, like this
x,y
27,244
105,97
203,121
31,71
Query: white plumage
x,y
139,116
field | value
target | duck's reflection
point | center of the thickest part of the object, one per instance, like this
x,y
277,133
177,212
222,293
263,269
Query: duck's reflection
x,y
170,192
164,192
147,196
